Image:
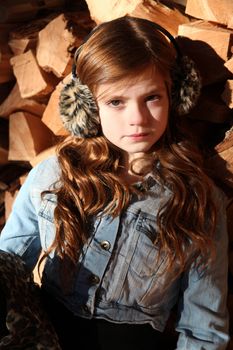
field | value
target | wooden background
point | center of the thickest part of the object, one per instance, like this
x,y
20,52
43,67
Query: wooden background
x,y
37,42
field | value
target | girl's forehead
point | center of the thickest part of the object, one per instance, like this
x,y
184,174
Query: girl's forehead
x,y
148,77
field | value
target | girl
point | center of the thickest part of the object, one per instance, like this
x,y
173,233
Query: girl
x,y
129,224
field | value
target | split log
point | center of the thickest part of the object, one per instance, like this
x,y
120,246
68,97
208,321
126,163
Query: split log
x,y
28,136
32,81
43,155
11,193
208,45
221,163
108,10
51,116
14,102
219,11
227,94
25,36
56,42
226,143
181,2
217,37
229,64
19,46
168,17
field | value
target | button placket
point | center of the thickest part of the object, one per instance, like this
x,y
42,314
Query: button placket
x,y
95,260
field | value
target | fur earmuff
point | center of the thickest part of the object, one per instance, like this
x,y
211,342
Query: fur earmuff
x,y
78,109
186,86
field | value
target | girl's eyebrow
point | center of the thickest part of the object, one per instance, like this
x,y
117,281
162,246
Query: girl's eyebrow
x,y
112,96
157,89
109,96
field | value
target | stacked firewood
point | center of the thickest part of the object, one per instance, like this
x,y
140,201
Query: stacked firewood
x,y
36,57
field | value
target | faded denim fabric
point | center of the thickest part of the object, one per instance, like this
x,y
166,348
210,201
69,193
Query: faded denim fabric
x,y
119,276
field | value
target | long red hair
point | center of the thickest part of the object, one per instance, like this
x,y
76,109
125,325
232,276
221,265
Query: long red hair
x,y
91,184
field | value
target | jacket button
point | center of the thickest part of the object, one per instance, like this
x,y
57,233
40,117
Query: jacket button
x,y
94,279
105,245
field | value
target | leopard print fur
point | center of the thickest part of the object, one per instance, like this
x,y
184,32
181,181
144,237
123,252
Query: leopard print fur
x,y
26,323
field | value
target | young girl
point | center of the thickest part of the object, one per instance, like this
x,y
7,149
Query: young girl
x,y
129,224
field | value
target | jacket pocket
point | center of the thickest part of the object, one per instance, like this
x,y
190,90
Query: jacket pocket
x,y
147,274
146,260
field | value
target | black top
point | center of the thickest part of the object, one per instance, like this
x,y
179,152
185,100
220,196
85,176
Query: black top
x,y
77,333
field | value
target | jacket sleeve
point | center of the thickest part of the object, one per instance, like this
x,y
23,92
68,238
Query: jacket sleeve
x,y
20,234
203,316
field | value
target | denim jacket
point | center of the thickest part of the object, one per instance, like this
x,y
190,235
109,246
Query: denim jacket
x,y
119,277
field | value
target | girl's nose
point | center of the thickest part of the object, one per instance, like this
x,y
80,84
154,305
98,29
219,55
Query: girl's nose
x,y
138,114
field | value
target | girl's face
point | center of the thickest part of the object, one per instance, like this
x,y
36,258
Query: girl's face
x,y
134,113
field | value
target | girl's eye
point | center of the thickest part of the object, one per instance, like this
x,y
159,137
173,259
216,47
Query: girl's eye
x,y
153,98
114,103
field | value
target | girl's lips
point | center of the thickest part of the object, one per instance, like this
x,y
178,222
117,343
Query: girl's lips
x,y
138,136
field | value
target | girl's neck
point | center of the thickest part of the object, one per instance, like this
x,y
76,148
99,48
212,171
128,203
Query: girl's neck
x,y
135,170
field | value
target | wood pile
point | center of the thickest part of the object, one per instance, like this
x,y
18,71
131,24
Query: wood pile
x,y
36,57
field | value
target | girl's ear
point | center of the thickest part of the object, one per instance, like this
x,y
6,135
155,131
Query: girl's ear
x,y
78,109
186,85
